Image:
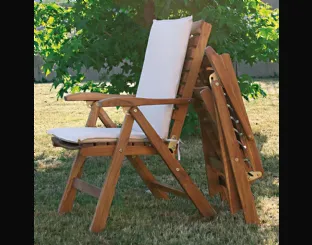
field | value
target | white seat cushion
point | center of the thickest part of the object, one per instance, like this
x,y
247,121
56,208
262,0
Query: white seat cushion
x,y
161,72
90,134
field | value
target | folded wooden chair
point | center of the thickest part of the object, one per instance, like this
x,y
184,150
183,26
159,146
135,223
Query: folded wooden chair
x,y
172,61
232,159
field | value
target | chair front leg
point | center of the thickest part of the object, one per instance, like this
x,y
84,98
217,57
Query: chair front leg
x,y
108,190
69,194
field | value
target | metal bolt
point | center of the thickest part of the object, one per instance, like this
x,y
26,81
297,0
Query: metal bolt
x,y
120,150
236,159
177,169
217,84
135,110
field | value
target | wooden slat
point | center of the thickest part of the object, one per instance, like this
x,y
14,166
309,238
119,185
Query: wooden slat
x,y
207,97
218,66
184,77
231,187
235,155
86,188
187,65
181,89
253,152
212,176
170,189
192,76
190,53
174,166
107,150
193,42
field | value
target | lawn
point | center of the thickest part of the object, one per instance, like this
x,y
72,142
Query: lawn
x,y
136,217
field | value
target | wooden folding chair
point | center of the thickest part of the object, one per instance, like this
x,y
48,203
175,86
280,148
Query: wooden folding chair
x,y
232,159
132,144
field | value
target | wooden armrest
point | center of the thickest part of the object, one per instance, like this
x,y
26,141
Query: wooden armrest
x,y
132,101
92,96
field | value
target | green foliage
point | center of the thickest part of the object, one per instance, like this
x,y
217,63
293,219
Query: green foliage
x,y
107,33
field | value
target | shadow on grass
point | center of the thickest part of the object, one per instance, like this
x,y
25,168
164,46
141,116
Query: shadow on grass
x,y
135,212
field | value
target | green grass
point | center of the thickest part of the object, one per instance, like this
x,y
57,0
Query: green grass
x,y
136,217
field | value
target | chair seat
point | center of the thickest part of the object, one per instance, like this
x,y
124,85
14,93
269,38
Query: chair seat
x,y
93,135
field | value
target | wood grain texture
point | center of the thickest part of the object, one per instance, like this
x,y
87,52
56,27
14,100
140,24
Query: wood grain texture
x,y
253,152
108,150
92,96
235,156
174,166
86,188
141,101
108,190
69,194
226,80
191,76
105,119
170,189
93,116
147,177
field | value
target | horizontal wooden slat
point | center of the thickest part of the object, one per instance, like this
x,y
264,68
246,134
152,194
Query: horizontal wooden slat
x,y
167,188
187,65
190,53
86,188
193,41
107,150
181,89
184,76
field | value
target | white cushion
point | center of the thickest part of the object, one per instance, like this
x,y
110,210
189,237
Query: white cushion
x,y
161,72
76,135
160,77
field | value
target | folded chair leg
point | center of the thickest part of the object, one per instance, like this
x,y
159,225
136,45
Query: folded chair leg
x,y
108,190
173,164
147,176
69,194
236,157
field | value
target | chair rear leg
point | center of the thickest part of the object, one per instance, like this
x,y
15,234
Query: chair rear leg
x,y
147,176
174,166
69,194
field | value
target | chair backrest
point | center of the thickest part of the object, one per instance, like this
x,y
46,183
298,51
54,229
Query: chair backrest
x,y
170,69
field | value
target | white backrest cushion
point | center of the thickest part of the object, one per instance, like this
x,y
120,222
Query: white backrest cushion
x,y
161,72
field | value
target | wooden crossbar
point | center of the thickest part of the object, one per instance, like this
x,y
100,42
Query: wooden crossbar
x,y
86,188
170,189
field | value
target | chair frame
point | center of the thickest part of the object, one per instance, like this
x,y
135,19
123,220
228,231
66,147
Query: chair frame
x,y
228,141
131,149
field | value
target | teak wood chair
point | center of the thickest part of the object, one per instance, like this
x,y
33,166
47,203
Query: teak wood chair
x,y
231,155
141,133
